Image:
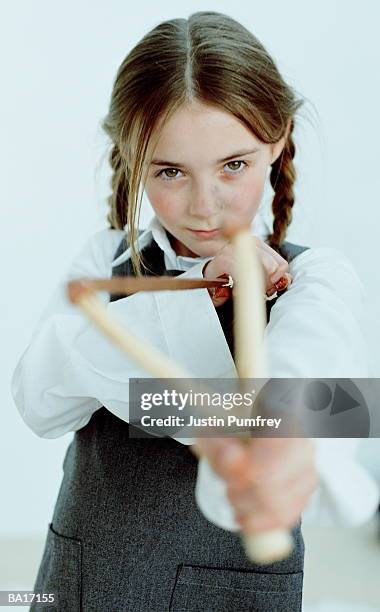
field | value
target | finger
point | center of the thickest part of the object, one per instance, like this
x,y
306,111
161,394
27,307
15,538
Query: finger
x,y
279,274
272,497
231,461
272,252
253,523
274,269
218,302
226,456
268,495
222,292
275,264
276,502
287,507
279,458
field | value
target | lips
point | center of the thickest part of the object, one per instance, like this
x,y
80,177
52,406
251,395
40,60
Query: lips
x,y
205,233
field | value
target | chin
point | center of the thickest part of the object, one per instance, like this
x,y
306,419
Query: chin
x,y
208,250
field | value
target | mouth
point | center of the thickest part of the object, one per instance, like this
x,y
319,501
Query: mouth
x,y
205,233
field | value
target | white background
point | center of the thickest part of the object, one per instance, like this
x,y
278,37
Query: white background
x,y
58,63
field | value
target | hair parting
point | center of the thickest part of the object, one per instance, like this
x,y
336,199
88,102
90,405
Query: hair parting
x,y
213,59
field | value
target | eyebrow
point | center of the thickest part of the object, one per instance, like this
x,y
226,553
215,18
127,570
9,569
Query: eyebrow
x,y
162,162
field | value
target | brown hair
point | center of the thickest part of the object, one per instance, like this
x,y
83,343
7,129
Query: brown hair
x,y
213,59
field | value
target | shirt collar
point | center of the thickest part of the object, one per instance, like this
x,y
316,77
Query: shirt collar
x,y
173,261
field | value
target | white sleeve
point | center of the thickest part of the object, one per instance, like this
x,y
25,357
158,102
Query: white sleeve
x,y
326,306
348,494
70,369
315,326
46,380
315,332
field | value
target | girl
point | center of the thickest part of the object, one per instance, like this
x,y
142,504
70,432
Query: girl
x,y
199,117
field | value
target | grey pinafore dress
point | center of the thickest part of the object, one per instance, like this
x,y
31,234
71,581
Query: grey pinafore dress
x,y
126,533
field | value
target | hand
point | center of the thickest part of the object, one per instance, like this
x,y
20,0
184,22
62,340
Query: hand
x,y
274,267
269,480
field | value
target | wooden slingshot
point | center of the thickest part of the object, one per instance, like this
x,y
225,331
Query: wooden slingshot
x,y
249,326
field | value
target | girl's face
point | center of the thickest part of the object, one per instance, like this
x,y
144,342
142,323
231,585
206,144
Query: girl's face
x,y
206,163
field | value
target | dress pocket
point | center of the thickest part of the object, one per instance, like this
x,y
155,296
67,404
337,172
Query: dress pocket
x,y
198,588
60,572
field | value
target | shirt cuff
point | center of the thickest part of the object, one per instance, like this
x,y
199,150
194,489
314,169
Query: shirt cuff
x,y
211,497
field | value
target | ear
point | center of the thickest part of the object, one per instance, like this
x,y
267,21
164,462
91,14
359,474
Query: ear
x,y
277,147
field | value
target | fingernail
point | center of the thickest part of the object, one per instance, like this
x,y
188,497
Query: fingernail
x,y
222,292
281,284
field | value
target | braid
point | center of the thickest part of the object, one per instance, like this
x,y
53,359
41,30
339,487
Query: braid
x,y
282,178
118,200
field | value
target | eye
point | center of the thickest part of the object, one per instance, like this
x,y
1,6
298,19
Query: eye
x,y
237,170
165,177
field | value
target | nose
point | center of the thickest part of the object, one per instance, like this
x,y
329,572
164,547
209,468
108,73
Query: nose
x,y
204,201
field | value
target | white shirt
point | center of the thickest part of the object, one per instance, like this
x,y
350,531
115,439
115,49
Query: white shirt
x,y
69,369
